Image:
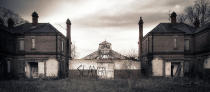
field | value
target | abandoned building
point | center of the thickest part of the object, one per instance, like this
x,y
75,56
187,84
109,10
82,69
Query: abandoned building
x,y
104,63
34,50
175,49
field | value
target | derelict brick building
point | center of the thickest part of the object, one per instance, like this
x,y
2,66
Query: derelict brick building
x,y
34,50
175,49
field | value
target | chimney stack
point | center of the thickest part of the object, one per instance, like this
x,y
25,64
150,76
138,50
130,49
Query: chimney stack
x,y
68,35
140,37
35,17
68,47
196,23
10,23
173,17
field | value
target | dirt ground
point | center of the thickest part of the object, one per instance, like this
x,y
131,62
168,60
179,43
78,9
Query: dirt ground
x,y
121,85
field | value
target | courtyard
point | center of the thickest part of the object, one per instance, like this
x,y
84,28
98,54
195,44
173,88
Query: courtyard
x,y
117,85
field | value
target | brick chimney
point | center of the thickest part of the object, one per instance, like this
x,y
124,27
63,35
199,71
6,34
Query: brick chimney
x,y
10,23
173,17
68,47
35,17
68,35
196,23
140,37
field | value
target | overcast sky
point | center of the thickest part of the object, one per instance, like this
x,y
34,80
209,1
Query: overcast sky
x,y
94,21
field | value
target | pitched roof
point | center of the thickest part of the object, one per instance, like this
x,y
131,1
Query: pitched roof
x,y
38,28
96,55
170,27
2,27
104,52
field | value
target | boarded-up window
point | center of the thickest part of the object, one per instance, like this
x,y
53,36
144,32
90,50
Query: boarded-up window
x,y
187,44
21,44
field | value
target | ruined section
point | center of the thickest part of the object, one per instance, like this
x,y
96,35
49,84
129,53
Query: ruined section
x,y
104,63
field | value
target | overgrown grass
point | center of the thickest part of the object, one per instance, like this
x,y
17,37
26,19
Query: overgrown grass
x,y
76,85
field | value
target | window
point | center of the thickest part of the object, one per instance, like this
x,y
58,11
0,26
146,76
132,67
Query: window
x,y
175,43
62,45
8,66
21,44
33,43
186,44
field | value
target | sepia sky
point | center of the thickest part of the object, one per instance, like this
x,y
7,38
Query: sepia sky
x,y
94,21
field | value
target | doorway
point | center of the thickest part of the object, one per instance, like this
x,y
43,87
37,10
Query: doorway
x,y
33,69
176,69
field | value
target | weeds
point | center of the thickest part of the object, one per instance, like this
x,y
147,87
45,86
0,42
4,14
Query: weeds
x,y
117,85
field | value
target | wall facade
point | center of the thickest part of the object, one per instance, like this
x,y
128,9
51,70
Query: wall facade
x,y
104,69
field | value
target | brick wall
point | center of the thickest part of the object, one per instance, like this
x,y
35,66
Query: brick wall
x,y
166,43
202,41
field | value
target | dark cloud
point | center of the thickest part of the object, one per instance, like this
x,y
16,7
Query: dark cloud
x,y
26,7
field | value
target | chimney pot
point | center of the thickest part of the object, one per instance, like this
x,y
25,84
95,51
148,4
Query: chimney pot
x,y
68,22
141,21
35,17
10,23
173,17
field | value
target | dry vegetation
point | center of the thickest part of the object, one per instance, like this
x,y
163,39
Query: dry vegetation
x,y
73,85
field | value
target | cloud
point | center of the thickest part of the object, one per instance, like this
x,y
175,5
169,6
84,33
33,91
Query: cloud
x,y
128,15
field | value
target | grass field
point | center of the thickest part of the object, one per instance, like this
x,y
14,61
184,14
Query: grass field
x,y
75,85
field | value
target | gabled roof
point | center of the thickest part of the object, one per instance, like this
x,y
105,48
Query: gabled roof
x,y
96,55
170,27
104,52
38,28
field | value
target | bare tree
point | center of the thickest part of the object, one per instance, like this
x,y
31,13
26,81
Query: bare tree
x,y
132,54
74,53
200,10
181,18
